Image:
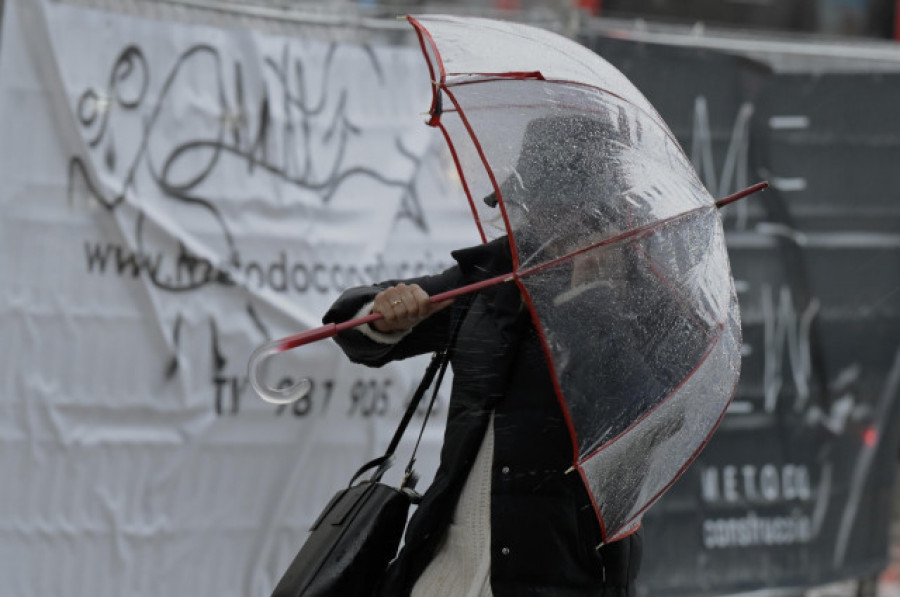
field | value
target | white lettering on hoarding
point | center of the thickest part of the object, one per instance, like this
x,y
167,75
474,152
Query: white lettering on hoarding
x,y
752,530
734,175
752,483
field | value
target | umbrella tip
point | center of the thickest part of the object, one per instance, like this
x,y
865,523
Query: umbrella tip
x,y
741,194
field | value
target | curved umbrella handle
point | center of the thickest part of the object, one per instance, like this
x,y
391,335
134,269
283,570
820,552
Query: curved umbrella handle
x,y
300,389
273,395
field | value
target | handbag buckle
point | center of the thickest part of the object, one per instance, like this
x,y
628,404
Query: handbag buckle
x,y
414,496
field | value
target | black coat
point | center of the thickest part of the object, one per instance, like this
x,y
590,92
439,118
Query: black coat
x,y
544,531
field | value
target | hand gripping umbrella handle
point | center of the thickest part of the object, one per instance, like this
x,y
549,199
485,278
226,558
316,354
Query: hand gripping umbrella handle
x,y
300,389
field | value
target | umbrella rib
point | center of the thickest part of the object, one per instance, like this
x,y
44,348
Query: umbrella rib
x,y
486,76
579,463
712,344
634,233
422,33
679,297
490,172
696,453
463,181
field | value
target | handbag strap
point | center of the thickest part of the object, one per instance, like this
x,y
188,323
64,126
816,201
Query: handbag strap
x,y
437,366
409,476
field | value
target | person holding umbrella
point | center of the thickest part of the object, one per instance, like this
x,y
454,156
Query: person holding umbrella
x,y
505,515
601,346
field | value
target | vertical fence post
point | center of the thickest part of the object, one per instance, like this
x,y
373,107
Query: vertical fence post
x,y
1,24
896,18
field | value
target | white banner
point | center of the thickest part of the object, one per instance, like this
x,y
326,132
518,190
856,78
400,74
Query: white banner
x,y
174,194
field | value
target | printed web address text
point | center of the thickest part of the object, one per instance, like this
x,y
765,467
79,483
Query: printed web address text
x,y
185,271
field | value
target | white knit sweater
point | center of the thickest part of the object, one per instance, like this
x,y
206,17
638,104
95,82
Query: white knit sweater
x,y
462,565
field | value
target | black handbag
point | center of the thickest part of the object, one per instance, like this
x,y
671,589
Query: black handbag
x,y
350,544
358,533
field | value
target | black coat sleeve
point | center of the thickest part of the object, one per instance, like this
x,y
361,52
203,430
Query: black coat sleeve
x,y
427,336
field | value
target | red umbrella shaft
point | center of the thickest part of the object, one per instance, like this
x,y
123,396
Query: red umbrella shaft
x,y
741,194
327,331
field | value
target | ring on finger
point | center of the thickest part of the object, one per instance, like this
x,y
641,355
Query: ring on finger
x,y
396,302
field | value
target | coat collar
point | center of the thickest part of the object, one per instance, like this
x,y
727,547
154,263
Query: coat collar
x,y
484,261
502,300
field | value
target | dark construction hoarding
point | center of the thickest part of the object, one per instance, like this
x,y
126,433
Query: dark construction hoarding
x,y
795,488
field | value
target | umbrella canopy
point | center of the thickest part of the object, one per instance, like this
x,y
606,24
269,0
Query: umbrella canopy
x,y
618,248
